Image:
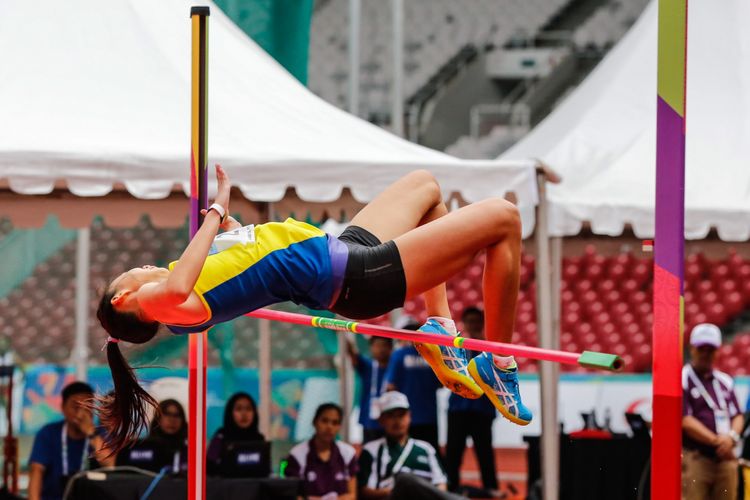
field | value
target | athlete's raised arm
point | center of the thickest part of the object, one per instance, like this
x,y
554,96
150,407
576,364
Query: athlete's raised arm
x,y
179,285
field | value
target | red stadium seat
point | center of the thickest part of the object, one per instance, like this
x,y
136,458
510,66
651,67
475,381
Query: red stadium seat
x,y
642,273
594,272
606,286
618,272
570,272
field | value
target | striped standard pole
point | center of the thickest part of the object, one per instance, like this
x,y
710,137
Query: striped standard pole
x,y
198,200
668,251
586,359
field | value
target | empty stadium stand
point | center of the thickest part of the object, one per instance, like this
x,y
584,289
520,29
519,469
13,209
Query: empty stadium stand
x,y
608,24
587,40
435,31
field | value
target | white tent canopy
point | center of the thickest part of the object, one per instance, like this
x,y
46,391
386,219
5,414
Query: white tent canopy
x,y
97,93
602,138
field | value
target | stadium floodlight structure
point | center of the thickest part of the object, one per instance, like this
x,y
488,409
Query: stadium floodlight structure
x,y
669,240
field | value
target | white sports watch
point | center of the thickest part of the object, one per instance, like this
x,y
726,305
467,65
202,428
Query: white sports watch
x,y
219,210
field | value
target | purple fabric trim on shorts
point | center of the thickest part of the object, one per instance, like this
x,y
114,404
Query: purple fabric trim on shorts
x,y
339,253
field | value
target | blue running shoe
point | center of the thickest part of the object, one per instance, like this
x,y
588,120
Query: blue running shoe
x,y
448,363
501,387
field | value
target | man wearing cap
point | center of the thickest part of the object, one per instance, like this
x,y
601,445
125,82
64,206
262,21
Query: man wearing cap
x,y
397,453
711,422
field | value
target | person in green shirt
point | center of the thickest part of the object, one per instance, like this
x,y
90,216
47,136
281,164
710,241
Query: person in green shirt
x,y
397,454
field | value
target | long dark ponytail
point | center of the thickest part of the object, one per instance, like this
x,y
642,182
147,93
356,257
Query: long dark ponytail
x,y
123,412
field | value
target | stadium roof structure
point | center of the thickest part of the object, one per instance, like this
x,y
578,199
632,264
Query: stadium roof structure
x,y
602,138
96,95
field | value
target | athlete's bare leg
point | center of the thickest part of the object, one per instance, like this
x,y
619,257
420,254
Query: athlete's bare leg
x,y
435,251
410,202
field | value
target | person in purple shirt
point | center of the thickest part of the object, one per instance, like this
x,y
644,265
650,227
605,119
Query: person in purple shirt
x,y
327,467
711,422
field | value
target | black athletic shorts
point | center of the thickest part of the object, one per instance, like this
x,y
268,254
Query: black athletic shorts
x,y
374,281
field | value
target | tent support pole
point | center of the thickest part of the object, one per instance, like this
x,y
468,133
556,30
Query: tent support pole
x,y
264,378
344,378
264,363
549,372
83,263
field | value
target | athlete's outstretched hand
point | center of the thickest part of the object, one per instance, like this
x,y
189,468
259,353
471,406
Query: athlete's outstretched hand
x,y
225,186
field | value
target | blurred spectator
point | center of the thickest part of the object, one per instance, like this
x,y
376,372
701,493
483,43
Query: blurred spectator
x,y
471,417
371,372
384,460
240,425
61,449
410,374
170,426
165,445
327,467
170,429
711,422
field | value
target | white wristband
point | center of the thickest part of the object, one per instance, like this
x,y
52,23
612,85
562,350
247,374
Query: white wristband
x,y
219,210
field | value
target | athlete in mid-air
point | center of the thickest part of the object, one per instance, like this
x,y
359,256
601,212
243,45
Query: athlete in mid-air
x,y
402,244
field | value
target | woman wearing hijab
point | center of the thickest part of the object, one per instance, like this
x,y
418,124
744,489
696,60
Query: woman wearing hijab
x,y
167,441
240,424
169,429
170,426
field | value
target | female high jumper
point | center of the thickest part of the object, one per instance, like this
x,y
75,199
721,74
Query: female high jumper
x,y
402,244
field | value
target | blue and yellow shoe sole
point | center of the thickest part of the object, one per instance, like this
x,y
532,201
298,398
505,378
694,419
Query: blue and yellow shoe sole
x,y
460,384
490,393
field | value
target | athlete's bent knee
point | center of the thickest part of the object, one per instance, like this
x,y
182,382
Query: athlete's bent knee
x,y
425,181
506,219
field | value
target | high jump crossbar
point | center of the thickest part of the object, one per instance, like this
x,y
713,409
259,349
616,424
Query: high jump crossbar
x,y
587,359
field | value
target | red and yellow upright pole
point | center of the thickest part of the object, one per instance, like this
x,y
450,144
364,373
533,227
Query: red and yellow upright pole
x,y
198,200
669,251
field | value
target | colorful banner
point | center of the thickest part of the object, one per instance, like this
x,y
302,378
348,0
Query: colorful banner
x,y
41,393
297,393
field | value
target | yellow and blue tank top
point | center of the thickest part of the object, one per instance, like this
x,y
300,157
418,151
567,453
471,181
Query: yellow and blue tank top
x,y
288,261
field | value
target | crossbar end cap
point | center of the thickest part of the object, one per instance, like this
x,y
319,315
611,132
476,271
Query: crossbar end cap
x,y
601,361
